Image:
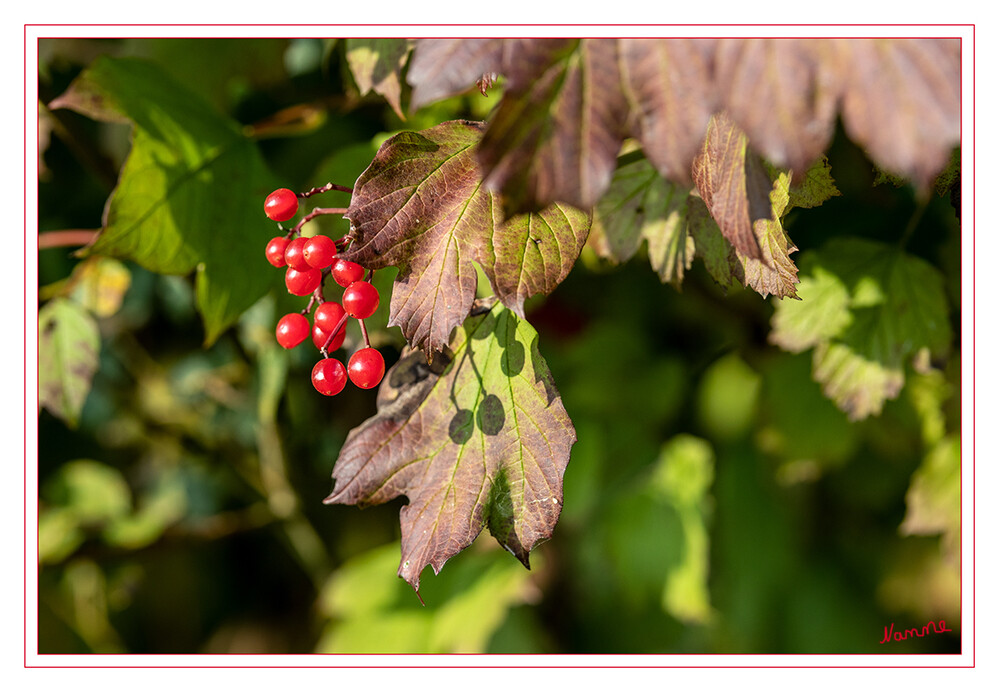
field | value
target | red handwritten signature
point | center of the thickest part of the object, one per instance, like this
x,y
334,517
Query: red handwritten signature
x,y
902,635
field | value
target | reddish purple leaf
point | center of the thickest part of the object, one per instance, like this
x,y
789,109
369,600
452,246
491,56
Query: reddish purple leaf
x,y
476,439
421,206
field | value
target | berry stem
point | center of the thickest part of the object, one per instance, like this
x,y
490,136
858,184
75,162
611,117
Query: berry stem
x,y
334,332
318,211
325,188
364,333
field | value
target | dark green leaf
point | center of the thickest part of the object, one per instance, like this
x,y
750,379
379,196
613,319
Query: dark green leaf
x,y
641,205
189,196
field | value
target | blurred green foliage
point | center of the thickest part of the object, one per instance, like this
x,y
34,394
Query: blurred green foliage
x,y
716,501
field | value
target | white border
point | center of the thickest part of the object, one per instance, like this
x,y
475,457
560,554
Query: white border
x,y
550,663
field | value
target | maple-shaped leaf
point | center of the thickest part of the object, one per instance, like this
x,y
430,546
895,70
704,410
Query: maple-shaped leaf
x,y
421,206
478,438
444,67
866,308
669,85
559,127
640,206
782,93
377,64
189,194
902,102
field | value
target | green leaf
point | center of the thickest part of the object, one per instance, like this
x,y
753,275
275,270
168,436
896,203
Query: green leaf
x,y
815,187
867,308
933,501
683,474
68,346
642,206
477,438
421,206
189,195
80,494
369,613
376,64
99,284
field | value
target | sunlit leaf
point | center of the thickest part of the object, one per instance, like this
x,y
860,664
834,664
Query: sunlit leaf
x,y
683,474
421,206
477,439
933,502
867,308
670,88
189,196
746,209
68,346
376,64
445,67
782,93
641,206
369,613
902,101
558,130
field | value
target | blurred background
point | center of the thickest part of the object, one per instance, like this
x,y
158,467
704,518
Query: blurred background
x,y
715,502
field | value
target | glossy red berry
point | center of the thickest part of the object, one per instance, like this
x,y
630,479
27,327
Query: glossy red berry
x,y
292,329
366,368
360,299
294,254
319,251
275,251
329,315
281,205
320,337
346,272
329,377
302,283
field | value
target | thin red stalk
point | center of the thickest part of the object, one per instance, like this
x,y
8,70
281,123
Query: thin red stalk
x,y
329,339
325,188
318,211
68,238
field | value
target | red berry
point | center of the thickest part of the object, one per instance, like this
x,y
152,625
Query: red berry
x,y
346,272
319,251
329,377
366,368
275,251
292,329
294,254
320,336
302,283
328,315
360,299
281,205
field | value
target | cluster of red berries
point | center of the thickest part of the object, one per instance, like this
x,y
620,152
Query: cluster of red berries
x,y
308,262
